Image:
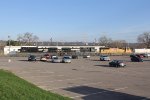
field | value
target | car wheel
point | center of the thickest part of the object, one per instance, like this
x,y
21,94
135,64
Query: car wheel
x,y
117,66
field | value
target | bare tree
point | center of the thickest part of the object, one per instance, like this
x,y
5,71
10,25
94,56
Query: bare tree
x,y
144,39
27,38
105,41
20,38
35,39
119,44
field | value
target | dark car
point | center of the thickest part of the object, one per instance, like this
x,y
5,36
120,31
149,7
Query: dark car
x,y
74,57
135,58
140,55
32,58
116,63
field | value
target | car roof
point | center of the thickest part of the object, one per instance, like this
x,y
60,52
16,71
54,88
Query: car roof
x,y
66,57
55,58
104,55
118,60
32,56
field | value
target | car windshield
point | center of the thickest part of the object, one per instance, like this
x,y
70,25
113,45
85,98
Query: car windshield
x,y
105,56
55,58
120,61
114,61
32,56
46,55
66,58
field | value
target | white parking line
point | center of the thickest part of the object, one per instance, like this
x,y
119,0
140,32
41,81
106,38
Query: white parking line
x,y
76,85
79,96
60,80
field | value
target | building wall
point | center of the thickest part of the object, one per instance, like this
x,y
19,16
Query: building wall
x,y
11,49
15,49
115,50
144,50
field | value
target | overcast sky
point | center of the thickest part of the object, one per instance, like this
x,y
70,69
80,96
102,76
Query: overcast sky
x,y
75,20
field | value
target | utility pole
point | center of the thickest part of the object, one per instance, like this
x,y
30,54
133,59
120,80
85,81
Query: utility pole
x,y
9,60
51,40
95,41
9,43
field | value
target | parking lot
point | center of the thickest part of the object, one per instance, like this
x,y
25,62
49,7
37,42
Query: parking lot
x,y
86,79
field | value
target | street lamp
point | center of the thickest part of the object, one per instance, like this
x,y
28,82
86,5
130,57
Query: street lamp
x,y
9,43
9,60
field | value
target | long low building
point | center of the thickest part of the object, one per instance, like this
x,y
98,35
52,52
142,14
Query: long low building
x,y
144,50
15,49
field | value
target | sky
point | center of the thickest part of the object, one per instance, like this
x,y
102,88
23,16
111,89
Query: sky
x,y
75,20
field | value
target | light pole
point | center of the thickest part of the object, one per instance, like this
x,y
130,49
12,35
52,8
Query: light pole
x,y
51,40
9,43
9,60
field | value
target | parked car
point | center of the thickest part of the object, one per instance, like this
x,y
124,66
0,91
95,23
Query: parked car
x,y
53,56
140,55
86,56
74,57
117,63
135,58
32,58
56,60
47,56
104,58
70,57
147,55
66,59
66,55
43,59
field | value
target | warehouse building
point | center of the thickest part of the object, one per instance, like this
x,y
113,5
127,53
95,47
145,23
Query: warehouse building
x,y
51,49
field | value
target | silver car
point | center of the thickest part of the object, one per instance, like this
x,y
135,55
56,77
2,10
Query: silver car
x,y
104,58
66,59
147,55
56,60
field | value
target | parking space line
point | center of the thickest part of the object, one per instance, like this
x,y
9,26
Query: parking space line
x,y
60,80
117,89
76,85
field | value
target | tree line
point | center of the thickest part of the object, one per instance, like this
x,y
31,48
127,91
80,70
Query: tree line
x,y
28,38
24,39
143,41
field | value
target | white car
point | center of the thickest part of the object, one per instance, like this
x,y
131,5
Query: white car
x,y
43,59
53,56
104,58
56,60
66,59
147,55
86,56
